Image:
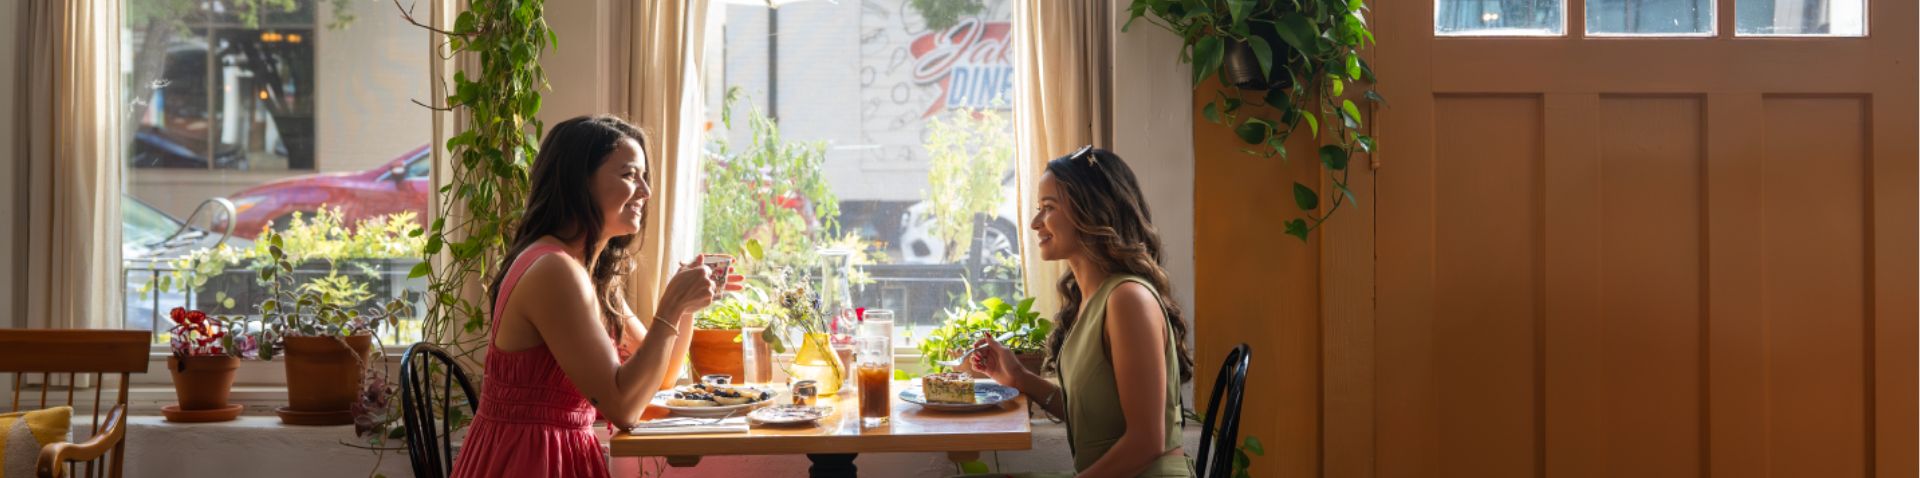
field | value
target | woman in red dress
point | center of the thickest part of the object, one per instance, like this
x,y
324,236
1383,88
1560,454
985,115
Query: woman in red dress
x,y
563,343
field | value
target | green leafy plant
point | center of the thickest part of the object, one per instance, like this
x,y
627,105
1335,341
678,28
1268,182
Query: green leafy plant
x,y
320,308
1242,455
320,239
767,190
943,14
768,200
749,307
337,290
1298,58
488,182
971,151
798,313
752,306
1017,326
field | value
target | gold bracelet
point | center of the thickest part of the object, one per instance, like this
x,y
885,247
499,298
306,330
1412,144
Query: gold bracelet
x,y
669,325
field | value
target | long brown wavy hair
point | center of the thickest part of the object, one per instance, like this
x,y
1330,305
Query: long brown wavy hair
x,y
1116,230
560,201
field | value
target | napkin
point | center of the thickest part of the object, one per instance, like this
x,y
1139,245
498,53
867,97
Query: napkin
x,y
690,426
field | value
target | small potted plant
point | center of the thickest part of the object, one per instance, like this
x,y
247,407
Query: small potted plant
x,y
206,352
328,344
1018,327
718,335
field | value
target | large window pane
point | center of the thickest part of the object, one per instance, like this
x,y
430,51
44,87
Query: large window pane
x,y
1802,17
1499,17
880,126
1650,17
297,119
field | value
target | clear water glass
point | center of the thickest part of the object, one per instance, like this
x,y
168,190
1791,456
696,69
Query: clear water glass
x,y
879,323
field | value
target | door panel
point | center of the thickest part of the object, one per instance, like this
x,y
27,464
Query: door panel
x,y
1659,257
1489,207
1649,284
1814,291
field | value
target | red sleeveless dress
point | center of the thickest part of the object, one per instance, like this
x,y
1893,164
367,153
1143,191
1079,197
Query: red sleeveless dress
x,y
532,421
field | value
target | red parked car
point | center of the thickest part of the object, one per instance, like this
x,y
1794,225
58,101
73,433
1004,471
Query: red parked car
x,y
398,186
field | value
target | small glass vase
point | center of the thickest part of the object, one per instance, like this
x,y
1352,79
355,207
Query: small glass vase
x,y
818,362
836,293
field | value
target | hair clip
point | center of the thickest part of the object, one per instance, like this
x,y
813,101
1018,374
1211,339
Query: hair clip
x,y
1087,152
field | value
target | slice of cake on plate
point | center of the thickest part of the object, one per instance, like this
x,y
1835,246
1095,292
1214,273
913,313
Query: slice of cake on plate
x,y
948,387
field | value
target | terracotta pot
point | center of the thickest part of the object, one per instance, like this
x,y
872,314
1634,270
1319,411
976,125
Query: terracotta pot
x,y
715,352
324,376
1033,361
203,383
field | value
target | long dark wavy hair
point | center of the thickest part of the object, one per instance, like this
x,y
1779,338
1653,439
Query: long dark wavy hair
x,y
561,202
1116,230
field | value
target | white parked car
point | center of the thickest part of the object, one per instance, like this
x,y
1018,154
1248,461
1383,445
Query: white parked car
x,y
996,236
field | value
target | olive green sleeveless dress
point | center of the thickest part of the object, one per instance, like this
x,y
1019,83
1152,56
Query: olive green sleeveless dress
x,y
1087,388
1094,419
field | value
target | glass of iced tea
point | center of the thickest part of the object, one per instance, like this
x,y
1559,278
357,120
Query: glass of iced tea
x,y
874,373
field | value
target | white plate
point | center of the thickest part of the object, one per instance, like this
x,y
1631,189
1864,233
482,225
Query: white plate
x,y
986,395
660,400
789,414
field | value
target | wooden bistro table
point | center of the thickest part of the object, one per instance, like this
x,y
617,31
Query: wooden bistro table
x,y
834,441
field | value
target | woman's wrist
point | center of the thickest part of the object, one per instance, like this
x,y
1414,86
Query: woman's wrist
x,y
660,323
1031,383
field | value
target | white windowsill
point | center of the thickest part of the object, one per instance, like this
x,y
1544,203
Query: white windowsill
x,y
261,385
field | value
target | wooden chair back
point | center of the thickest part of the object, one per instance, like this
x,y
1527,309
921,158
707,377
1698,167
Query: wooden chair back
x,y
50,368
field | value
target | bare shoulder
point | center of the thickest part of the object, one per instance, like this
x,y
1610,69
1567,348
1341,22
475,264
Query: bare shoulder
x,y
553,280
1131,296
1131,302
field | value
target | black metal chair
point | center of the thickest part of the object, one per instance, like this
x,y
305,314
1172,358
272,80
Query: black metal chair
x,y
1216,452
430,436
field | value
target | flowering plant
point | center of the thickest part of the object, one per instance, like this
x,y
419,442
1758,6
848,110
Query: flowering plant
x,y
196,334
322,307
800,313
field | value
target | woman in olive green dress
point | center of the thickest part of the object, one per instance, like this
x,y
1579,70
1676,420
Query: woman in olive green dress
x,y
1119,349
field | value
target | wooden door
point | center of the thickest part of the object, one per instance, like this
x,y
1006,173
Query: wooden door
x,y
1645,256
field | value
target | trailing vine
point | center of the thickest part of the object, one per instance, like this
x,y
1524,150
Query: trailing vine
x,y
1299,58
482,202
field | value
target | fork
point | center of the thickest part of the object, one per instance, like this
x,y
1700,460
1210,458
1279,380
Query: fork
x,y
963,355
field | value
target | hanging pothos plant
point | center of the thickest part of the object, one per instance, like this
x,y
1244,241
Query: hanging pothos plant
x,y
488,187
1301,59
491,158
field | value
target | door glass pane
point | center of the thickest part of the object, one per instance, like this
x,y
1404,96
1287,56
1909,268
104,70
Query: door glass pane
x,y
1650,17
1499,17
1841,18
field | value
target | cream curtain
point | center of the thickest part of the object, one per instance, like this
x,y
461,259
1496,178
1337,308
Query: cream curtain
x,y
658,89
468,346
1063,100
69,138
